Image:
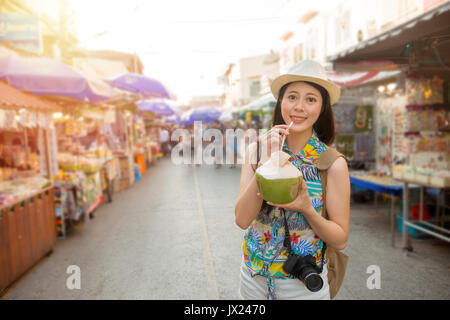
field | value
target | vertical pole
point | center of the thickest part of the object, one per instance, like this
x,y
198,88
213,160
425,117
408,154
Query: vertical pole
x,y
48,155
405,214
392,221
421,203
27,150
376,202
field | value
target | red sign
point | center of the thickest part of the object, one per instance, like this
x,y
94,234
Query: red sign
x,y
428,4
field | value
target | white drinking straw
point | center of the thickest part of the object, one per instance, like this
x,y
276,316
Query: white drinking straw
x,y
284,137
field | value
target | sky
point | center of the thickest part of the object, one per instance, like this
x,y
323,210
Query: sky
x,y
185,44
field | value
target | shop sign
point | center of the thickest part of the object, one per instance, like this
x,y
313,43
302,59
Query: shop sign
x,y
106,115
21,30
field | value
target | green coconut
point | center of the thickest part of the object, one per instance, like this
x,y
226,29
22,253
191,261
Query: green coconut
x,y
278,180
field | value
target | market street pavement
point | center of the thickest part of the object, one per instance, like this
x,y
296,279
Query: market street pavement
x,y
172,236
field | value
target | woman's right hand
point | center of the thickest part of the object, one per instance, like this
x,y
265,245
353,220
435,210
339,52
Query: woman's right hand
x,y
271,141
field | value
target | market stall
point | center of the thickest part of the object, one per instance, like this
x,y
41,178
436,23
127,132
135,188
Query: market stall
x,y
359,137
147,145
88,163
27,154
259,111
412,141
421,143
412,112
154,145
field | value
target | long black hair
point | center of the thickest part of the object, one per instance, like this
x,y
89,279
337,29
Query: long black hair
x,y
324,126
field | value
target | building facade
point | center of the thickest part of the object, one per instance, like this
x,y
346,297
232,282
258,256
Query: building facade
x,y
254,72
326,31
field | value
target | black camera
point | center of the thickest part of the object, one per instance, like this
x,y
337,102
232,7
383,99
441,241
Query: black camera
x,y
304,269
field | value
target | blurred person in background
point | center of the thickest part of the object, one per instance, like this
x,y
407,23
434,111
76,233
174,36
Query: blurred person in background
x,y
231,145
99,142
164,140
217,159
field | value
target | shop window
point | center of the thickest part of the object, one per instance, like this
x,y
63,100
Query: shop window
x,y
255,88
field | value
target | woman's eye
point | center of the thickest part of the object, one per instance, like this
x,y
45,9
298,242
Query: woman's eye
x,y
311,100
292,97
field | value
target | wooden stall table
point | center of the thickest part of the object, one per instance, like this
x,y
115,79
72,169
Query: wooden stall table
x,y
27,233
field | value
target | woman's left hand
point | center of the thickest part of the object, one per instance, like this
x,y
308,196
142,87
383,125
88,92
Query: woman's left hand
x,y
301,204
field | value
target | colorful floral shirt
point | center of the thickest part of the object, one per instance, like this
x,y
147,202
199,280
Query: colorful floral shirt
x,y
264,253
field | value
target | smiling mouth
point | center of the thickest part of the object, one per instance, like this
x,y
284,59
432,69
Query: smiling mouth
x,y
298,119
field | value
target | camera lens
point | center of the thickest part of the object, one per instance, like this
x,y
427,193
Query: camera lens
x,y
313,282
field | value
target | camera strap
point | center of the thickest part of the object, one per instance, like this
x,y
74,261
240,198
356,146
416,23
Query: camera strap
x,y
287,241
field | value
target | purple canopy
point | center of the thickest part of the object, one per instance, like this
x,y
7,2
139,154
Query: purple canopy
x,y
147,87
43,76
160,107
204,114
176,119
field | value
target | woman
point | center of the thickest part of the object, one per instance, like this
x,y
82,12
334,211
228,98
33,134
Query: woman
x,y
304,97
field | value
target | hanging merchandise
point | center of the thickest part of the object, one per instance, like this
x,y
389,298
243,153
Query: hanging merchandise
x,y
346,145
423,91
384,136
344,117
364,146
354,132
363,118
8,120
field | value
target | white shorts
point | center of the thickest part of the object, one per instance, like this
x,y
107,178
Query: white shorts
x,y
255,288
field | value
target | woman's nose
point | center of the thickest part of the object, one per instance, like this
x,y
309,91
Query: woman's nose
x,y
299,106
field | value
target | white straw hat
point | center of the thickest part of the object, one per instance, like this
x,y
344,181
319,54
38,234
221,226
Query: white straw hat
x,y
307,70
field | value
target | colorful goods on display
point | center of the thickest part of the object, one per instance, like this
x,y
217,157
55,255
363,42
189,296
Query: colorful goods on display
x,y
22,164
14,190
76,193
423,91
354,131
68,161
411,144
428,177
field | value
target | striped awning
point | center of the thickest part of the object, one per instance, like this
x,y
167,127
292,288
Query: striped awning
x,y
346,79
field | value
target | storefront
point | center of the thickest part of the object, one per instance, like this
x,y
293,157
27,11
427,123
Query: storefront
x,y
27,162
412,115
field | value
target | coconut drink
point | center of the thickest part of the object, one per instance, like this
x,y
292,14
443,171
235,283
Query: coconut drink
x,y
278,180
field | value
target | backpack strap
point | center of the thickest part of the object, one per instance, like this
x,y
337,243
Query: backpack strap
x,y
326,159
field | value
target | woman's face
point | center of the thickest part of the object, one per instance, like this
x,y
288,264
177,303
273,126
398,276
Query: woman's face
x,y
301,104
